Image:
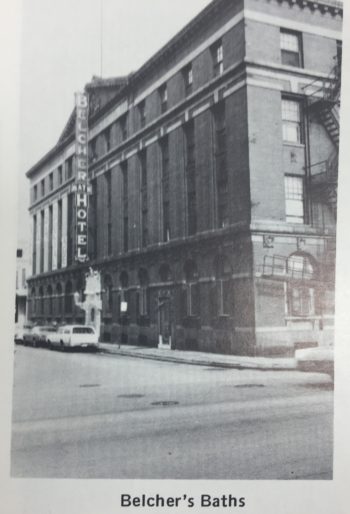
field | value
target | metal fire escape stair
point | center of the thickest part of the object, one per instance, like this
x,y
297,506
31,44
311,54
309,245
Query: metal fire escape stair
x,y
329,116
324,103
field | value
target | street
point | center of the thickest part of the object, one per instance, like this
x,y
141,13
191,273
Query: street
x,y
85,415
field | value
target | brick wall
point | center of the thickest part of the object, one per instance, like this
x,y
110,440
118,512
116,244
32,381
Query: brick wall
x,y
265,154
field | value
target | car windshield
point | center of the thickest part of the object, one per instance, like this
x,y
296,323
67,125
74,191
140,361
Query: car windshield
x,y
82,330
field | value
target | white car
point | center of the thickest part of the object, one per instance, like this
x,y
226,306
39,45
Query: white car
x,y
319,359
21,332
73,336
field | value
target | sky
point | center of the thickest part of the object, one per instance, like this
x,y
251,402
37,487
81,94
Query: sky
x,y
61,51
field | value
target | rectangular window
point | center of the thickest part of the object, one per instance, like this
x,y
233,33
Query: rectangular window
x,y
339,53
60,175
19,253
142,113
221,175
24,279
291,53
93,221
107,136
193,299
51,181
59,235
188,79
191,178
108,177
144,198
143,301
123,124
292,121
35,193
124,169
217,53
42,185
42,240
294,191
34,243
50,236
163,96
92,151
109,238
165,188
301,300
71,228
224,292
69,168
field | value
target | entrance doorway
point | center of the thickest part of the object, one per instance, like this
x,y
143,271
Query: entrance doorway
x,y
164,321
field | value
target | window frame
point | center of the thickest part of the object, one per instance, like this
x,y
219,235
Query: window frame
x,y
290,217
290,123
217,53
141,107
187,74
287,53
163,97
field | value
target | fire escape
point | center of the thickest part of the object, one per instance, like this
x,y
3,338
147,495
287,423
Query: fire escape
x,y
324,104
323,97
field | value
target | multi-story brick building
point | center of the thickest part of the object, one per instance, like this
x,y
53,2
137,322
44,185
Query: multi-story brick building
x,y
214,172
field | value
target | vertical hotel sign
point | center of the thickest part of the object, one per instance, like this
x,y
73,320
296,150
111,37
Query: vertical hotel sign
x,y
81,186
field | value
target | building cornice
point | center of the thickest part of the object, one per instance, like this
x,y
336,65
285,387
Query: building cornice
x,y
126,84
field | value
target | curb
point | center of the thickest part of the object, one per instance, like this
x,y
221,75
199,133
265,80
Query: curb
x,y
198,362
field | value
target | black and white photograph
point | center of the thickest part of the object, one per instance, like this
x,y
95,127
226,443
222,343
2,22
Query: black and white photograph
x,y
175,248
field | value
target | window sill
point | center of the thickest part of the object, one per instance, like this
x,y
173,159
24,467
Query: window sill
x,y
298,145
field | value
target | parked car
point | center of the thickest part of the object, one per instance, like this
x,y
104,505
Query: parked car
x,y
73,336
27,334
319,359
21,331
41,334
30,336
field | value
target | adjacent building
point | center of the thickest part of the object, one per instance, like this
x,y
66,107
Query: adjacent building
x,y
213,173
23,259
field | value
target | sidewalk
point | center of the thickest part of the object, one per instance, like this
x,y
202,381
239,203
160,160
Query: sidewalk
x,y
200,358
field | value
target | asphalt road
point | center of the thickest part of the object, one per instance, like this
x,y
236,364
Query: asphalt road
x,y
81,415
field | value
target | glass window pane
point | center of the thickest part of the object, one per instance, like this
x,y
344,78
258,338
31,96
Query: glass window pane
x,y
294,191
290,110
291,132
290,58
289,42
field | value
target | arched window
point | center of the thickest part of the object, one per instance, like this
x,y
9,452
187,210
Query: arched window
x,y
68,298
143,297
223,276
300,286
108,293
192,296
49,301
